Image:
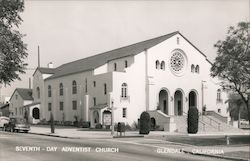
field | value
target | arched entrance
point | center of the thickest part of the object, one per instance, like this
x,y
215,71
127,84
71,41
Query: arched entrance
x,y
36,113
192,99
163,101
178,103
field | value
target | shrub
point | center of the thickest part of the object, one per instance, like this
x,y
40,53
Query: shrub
x,y
98,126
192,120
85,124
145,123
135,126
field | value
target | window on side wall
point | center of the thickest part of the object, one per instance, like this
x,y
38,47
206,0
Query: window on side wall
x,y
49,91
94,101
124,91
115,66
74,105
105,88
74,87
126,63
61,106
124,112
49,106
61,89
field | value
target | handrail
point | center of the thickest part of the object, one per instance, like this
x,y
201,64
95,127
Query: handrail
x,y
210,121
203,124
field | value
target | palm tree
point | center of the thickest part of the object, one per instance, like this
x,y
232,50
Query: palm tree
x,y
235,106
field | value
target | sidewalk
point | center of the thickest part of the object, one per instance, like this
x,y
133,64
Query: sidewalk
x,y
232,152
77,133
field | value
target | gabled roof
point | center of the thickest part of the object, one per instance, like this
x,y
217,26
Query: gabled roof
x,y
25,93
92,62
95,61
44,70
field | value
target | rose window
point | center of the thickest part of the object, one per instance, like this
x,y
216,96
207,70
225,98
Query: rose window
x,y
177,62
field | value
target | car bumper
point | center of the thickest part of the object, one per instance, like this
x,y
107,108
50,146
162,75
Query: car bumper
x,y
22,128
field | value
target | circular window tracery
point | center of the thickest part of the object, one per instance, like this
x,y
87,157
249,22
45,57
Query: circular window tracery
x,y
177,61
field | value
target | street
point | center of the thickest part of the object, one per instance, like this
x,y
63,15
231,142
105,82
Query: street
x,y
29,147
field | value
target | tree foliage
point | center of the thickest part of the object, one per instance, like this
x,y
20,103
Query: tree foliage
x,y
232,64
12,48
192,120
145,123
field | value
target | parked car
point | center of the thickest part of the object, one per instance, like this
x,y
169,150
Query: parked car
x,y
17,124
4,120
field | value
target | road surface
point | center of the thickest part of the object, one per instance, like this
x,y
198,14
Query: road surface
x,y
29,147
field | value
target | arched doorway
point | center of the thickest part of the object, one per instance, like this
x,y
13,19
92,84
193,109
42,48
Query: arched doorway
x,y
178,103
163,101
192,99
36,113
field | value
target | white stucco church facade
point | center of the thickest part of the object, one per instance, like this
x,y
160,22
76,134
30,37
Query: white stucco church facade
x,y
164,75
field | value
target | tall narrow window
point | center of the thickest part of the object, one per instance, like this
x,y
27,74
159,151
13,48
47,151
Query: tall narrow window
x,y
74,87
124,89
163,65
94,83
94,101
218,95
197,69
61,89
115,67
105,88
124,112
49,90
74,105
49,106
38,92
126,63
192,68
157,64
61,106
86,85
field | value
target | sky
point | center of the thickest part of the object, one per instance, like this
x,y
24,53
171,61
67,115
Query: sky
x,y
68,30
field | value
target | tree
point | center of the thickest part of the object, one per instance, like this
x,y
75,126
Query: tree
x,y
145,123
12,49
192,120
236,107
232,64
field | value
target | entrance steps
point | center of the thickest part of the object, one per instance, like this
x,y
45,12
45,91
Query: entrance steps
x,y
207,124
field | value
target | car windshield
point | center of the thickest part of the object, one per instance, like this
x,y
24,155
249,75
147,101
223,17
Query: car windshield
x,y
20,120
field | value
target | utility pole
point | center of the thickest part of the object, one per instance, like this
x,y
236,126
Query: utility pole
x,y
38,52
112,118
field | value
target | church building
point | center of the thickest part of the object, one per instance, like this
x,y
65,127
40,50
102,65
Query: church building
x,y
165,76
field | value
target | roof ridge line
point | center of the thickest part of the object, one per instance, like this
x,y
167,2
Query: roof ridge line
x,y
175,32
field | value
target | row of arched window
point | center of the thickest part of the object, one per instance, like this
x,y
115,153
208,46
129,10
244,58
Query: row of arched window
x,y
160,65
195,69
74,89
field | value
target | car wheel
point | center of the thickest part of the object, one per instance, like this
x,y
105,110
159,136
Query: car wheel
x,y
25,131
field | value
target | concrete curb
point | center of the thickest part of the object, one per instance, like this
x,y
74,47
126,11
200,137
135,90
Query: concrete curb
x,y
58,136
216,156
131,136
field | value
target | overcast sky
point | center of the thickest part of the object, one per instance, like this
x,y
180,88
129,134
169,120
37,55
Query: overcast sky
x,y
68,30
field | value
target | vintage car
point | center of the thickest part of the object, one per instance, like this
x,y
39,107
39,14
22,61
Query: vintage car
x,y
3,120
17,124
